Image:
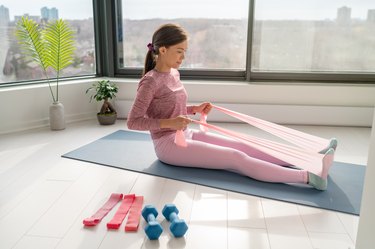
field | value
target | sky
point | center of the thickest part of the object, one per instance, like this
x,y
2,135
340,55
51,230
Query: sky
x,y
168,9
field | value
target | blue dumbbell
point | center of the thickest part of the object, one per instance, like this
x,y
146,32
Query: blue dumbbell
x,y
178,226
153,229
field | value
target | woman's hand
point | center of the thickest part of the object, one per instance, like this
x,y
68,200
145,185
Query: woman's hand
x,y
178,123
204,108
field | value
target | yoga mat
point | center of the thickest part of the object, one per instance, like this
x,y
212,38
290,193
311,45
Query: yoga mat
x,y
134,151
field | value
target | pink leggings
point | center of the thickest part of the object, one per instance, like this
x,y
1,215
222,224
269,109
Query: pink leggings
x,y
211,151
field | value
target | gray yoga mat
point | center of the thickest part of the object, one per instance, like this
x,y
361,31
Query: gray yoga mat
x,y
134,151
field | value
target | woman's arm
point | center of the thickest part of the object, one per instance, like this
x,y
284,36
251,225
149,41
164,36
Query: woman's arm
x,y
137,116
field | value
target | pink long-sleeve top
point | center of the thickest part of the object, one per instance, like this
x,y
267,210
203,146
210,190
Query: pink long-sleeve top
x,y
159,96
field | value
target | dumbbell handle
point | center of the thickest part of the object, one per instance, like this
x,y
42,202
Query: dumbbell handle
x,y
173,216
150,218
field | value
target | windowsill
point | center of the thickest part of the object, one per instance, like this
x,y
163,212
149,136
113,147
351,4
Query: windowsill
x,y
286,93
42,84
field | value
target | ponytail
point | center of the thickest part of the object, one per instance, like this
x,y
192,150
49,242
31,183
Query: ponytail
x,y
149,62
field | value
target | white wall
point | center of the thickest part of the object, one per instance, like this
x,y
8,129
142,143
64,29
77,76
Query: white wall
x,y
365,236
26,107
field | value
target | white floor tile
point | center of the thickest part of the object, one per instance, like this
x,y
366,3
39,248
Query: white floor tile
x,y
320,220
16,224
202,236
28,242
57,220
245,211
209,207
331,241
246,238
282,216
350,223
283,239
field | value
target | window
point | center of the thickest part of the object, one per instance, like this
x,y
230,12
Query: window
x,y
314,36
217,31
256,40
15,68
240,39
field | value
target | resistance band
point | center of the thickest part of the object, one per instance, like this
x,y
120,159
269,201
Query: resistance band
x,y
121,213
304,158
103,211
134,214
298,138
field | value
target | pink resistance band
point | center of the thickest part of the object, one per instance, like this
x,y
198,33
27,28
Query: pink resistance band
x,y
306,159
298,138
121,213
134,214
103,211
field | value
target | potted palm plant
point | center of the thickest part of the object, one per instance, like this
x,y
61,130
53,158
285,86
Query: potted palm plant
x,y
52,48
104,90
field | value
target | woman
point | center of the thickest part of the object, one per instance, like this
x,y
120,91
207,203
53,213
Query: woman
x,y
161,107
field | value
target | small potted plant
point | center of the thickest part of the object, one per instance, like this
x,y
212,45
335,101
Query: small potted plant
x,y
104,91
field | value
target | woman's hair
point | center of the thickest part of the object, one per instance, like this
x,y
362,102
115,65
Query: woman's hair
x,y
165,36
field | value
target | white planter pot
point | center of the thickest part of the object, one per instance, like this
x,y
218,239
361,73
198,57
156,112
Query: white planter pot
x,y
57,116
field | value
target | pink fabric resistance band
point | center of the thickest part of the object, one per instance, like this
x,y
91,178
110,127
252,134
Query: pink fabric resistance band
x,y
301,139
103,211
121,213
134,214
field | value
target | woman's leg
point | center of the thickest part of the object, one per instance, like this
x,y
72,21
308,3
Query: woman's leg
x,y
211,156
212,138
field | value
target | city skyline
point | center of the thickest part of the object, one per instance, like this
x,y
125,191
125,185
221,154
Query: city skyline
x,y
45,14
82,9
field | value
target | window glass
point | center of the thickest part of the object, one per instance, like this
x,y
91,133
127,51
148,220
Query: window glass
x,y
79,14
314,36
217,31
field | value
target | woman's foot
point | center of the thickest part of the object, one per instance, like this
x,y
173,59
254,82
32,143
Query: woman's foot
x,y
317,182
327,162
332,145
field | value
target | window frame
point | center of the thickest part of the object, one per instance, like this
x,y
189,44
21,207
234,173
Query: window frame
x,y
109,66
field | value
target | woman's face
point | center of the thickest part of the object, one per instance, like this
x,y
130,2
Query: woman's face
x,y
174,55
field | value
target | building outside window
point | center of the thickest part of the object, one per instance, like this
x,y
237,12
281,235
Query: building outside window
x,y
14,67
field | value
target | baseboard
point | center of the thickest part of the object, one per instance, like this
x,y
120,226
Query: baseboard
x,y
286,114
41,123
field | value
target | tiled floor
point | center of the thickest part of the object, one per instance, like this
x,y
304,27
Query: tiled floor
x,y
44,198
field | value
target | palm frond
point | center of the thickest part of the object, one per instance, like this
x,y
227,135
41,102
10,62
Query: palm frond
x,y
60,40
29,37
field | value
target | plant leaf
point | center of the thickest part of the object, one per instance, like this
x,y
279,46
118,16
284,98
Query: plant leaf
x,y
60,42
29,37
